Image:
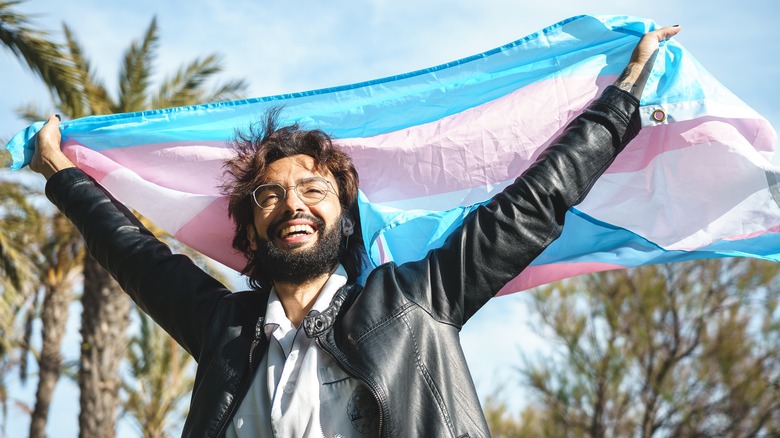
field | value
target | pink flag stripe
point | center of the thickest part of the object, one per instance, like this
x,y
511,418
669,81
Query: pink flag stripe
x,y
654,141
211,233
208,161
534,276
721,185
443,152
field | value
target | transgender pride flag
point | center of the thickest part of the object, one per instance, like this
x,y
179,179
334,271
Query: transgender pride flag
x,y
431,144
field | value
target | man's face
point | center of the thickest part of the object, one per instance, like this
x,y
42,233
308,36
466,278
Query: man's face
x,y
296,242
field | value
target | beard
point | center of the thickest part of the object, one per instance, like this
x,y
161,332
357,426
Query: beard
x,y
297,267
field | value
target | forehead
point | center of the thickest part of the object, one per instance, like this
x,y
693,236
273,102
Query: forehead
x,y
289,170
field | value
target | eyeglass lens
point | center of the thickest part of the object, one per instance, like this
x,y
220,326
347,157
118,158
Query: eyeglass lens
x,y
310,191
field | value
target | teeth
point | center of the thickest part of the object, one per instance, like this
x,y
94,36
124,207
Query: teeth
x,y
307,229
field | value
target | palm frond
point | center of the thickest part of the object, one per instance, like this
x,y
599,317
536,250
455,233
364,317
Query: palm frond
x,y
42,56
22,226
231,90
5,156
98,101
134,78
31,112
188,85
159,377
25,346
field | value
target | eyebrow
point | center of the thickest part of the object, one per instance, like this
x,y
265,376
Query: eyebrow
x,y
301,180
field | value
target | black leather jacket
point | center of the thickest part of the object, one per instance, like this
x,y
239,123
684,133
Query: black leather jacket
x,y
400,333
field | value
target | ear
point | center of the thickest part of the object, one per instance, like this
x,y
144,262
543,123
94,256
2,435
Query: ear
x,y
347,225
250,236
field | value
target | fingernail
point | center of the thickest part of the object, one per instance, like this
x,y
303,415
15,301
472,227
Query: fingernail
x,y
58,117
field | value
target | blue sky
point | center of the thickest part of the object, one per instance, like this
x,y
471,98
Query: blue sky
x,y
300,45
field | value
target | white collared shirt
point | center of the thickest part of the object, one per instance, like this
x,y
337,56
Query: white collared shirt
x,y
298,390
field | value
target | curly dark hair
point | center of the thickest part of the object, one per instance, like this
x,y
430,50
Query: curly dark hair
x,y
255,149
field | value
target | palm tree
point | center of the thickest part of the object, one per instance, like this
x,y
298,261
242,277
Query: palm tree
x,y
20,224
44,57
77,93
62,258
54,263
162,375
46,60
105,309
39,255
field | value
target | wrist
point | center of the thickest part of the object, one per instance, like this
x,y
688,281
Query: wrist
x,y
50,165
634,78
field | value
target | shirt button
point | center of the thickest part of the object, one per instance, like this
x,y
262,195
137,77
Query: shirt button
x,y
288,388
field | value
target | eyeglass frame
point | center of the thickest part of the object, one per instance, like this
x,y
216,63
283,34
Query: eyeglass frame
x,y
286,191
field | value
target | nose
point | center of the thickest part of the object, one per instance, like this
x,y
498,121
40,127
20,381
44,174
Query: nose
x,y
292,202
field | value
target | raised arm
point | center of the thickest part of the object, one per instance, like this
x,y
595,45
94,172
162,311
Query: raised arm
x,y
636,73
497,241
170,288
48,158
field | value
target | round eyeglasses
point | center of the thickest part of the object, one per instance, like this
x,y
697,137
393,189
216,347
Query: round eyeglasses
x,y
311,191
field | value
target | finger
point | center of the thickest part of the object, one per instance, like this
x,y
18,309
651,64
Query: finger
x,y
52,123
54,119
665,33
50,129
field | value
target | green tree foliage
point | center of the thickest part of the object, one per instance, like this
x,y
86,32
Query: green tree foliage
x,y
501,422
40,54
162,375
688,349
188,86
77,92
530,422
105,314
61,261
47,60
20,224
40,257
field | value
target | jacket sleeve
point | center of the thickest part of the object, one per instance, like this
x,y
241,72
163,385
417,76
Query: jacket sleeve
x,y
497,241
177,294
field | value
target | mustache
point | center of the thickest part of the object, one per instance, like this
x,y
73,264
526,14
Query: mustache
x,y
274,226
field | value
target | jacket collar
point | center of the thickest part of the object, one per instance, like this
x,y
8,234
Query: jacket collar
x,y
317,323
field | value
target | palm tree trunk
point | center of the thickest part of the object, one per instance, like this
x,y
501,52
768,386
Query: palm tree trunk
x,y
54,317
104,321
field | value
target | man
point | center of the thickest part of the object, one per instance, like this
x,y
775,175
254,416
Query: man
x,y
307,352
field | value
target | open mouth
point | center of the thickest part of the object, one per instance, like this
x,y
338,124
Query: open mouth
x,y
294,231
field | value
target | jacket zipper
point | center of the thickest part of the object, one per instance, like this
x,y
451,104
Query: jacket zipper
x,y
245,383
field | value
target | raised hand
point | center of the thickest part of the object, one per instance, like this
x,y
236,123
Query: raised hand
x,y
634,77
48,157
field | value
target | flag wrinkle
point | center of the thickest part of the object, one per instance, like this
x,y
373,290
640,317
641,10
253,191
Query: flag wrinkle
x,y
433,144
